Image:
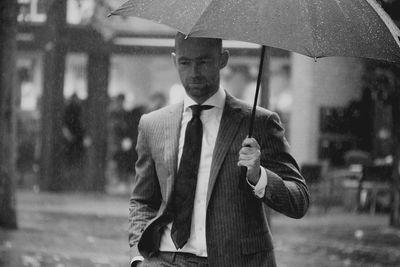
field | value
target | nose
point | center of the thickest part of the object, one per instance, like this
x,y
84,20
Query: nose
x,y
194,69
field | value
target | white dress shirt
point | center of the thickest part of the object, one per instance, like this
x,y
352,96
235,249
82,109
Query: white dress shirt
x,y
211,119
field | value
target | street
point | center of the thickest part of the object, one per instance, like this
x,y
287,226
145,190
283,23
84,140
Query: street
x,y
88,230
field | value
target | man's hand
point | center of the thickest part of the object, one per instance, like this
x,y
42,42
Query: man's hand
x,y
249,157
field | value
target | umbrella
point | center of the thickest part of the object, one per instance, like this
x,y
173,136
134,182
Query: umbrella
x,y
315,28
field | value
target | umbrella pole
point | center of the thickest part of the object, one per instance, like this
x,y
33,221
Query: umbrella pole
x,y
260,71
243,174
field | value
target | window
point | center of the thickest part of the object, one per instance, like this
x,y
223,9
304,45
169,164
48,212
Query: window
x,y
32,11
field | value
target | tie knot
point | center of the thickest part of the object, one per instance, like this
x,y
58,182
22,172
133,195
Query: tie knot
x,y
197,109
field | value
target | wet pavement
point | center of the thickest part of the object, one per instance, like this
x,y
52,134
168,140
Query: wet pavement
x,y
78,230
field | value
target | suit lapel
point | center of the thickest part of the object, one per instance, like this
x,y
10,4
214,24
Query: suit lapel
x,y
171,137
231,121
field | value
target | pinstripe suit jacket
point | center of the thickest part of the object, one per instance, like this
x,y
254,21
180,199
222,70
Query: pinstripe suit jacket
x,y
237,232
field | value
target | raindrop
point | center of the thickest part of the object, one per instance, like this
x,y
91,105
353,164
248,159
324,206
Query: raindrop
x,y
90,239
36,188
8,244
56,258
30,261
347,262
359,234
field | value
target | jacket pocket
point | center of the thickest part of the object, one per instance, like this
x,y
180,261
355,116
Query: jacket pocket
x,y
252,245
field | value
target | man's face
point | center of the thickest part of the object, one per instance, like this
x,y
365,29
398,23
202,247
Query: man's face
x,y
198,61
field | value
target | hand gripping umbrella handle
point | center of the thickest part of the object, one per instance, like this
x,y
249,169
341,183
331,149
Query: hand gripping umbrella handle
x,y
243,174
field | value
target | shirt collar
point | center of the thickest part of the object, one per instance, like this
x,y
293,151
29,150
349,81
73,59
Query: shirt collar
x,y
216,100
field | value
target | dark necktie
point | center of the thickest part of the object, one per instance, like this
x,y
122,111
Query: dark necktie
x,y
185,185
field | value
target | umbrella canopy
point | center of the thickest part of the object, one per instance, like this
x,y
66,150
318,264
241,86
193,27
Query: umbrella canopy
x,y
315,28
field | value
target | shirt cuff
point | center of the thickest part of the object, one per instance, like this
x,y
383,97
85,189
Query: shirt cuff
x,y
259,188
136,259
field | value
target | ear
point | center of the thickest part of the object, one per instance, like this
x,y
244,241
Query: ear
x,y
224,59
173,56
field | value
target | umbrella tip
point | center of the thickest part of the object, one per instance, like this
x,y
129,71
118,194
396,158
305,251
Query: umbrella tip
x,y
315,59
110,14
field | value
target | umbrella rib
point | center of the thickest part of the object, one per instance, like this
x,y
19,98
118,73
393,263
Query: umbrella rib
x,y
348,20
201,15
394,30
387,21
352,22
121,9
311,19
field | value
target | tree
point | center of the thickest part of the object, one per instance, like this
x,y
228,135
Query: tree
x,y
56,48
53,99
97,75
8,48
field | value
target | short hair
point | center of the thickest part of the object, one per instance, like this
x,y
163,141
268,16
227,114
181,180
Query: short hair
x,y
180,36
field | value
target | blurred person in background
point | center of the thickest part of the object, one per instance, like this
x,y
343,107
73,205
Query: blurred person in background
x,y
73,130
119,144
156,101
124,131
132,119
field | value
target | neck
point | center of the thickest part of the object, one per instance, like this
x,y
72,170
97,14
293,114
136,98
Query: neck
x,y
201,100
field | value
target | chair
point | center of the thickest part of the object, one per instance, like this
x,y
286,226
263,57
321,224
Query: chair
x,y
374,179
357,157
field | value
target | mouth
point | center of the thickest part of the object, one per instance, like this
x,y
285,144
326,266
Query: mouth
x,y
195,81
196,84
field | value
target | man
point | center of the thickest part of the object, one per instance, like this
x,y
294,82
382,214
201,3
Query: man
x,y
190,205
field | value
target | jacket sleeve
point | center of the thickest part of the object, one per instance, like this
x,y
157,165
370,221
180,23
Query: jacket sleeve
x,y
286,191
146,196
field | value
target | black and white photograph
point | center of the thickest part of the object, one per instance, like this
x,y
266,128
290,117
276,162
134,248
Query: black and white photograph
x,y
199,133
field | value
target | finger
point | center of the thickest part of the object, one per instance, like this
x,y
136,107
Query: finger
x,y
247,141
253,153
249,150
250,142
246,157
256,155
249,163
242,163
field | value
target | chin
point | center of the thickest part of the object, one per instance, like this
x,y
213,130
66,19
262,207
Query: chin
x,y
198,91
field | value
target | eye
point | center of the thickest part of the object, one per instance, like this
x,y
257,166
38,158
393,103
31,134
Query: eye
x,y
184,62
